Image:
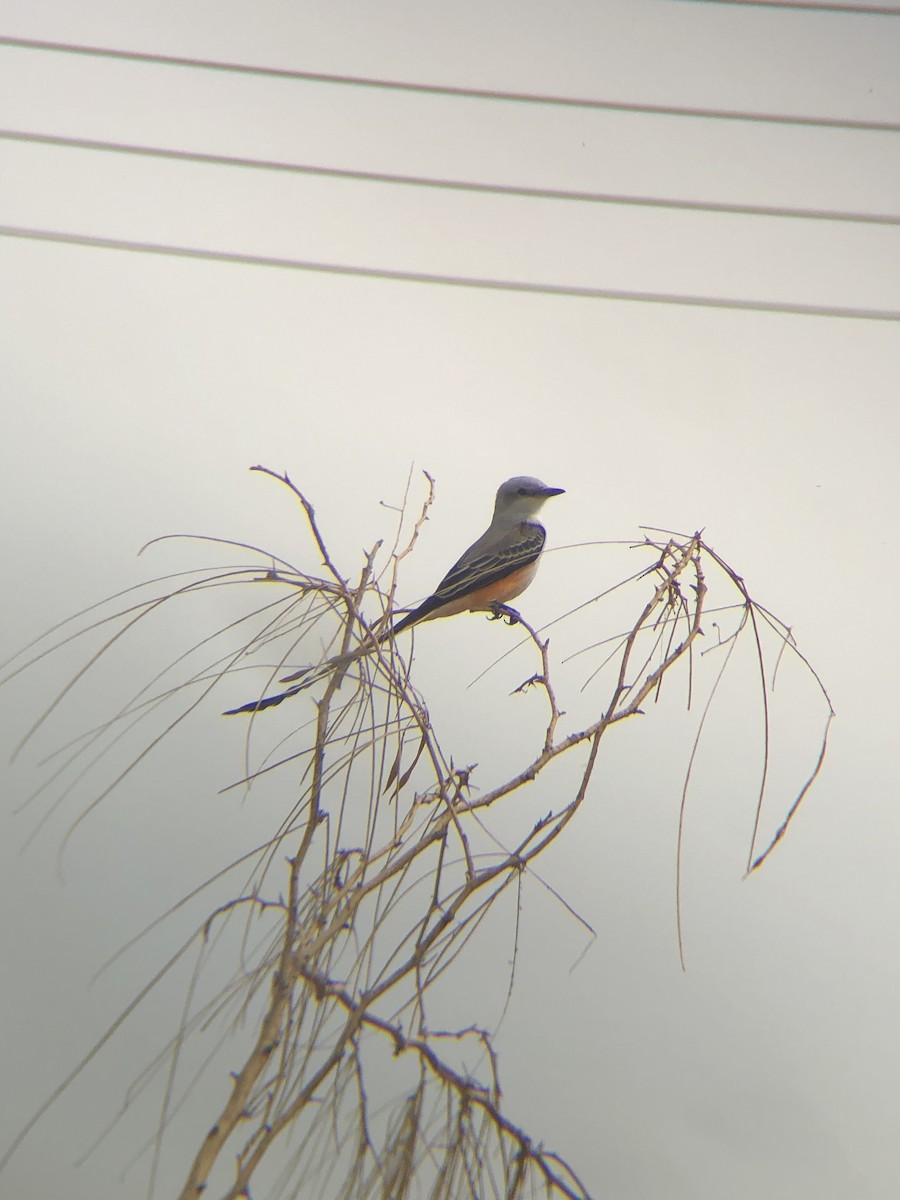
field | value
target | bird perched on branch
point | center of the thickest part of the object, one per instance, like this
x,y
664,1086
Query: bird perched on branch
x,y
494,570
500,565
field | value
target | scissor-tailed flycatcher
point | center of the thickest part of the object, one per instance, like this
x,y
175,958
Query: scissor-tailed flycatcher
x,y
495,569
501,564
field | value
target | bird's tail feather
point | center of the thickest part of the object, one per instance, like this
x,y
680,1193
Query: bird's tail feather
x,y
307,677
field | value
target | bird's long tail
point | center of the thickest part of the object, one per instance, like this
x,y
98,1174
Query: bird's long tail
x,y
265,702
307,677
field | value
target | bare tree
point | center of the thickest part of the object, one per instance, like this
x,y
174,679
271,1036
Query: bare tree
x,y
384,870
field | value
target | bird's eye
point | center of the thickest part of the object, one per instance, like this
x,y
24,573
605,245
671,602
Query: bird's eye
x,y
523,491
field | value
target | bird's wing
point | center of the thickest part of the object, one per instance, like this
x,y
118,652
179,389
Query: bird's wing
x,y
483,564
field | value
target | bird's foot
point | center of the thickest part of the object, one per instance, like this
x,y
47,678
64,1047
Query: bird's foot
x,y
499,610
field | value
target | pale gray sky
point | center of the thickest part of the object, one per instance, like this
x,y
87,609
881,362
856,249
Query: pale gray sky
x,y
137,389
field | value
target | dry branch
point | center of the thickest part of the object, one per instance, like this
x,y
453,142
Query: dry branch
x,y
383,888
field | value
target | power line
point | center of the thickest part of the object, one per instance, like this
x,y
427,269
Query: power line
x,y
444,184
446,90
864,10
459,281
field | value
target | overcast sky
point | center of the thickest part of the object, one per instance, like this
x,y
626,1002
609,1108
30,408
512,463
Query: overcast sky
x,y
137,388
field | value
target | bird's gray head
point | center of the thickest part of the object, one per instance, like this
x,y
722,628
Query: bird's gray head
x,y
521,497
